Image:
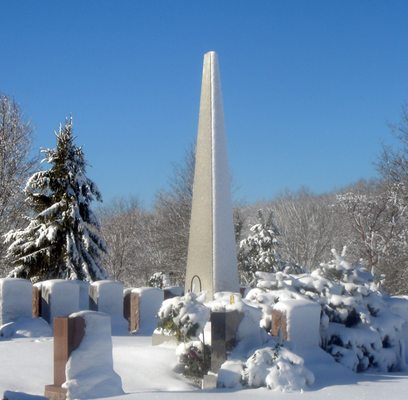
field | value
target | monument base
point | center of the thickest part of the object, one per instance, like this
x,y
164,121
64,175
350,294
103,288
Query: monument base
x,y
209,381
54,392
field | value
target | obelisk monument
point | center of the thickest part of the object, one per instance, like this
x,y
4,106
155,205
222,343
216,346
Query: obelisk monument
x,y
211,260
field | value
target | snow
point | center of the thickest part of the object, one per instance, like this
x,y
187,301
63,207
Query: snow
x,y
147,374
107,296
15,299
60,298
150,301
25,327
89,370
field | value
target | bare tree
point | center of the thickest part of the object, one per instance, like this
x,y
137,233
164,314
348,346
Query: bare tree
x,y
307,227
16,165
123,224
171,219
377,214
393,163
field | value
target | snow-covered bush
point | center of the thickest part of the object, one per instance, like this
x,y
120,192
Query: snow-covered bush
x,y
275,367
194,358
158,280
357,325
258,252
183,316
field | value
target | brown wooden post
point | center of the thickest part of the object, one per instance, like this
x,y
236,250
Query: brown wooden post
x,y
68,334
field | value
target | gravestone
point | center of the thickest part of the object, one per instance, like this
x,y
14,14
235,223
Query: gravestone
x,y
131,309
83,294
173,291
59,298
211,260
15,299
149,301
68,334
297,321
36,301
224,326
107,296
83,362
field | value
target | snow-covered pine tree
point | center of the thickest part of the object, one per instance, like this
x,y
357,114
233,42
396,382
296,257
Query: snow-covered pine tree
x,y
259,251
62,239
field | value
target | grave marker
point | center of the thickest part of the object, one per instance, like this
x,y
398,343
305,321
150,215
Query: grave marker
x,y
15,299
68,334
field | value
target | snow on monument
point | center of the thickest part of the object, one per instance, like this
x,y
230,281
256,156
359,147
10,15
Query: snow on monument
x,y
211,260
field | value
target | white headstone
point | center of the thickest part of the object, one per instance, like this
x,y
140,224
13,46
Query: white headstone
x,y
15,299
302,322
83,294
150,301
211,261
107,296
59,298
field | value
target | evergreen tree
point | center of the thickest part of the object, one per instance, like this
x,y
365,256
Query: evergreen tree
x,y
259,251
62,238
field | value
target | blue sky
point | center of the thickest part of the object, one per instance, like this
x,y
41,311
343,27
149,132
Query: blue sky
x,y
308,86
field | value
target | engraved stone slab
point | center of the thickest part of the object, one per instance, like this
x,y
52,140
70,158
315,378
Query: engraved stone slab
x,y
224,326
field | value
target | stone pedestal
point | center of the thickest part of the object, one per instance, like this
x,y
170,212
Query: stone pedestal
x,y
224,326
68,334
131,310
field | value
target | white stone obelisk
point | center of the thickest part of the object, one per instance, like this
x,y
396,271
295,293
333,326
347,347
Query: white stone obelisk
x,y
211,260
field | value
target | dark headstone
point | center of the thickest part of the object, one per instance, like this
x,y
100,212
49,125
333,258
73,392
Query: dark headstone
x,y
36,302
131,310
68,334
170,292
224,326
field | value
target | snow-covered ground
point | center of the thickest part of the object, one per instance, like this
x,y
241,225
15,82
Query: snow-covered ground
x,y
146,372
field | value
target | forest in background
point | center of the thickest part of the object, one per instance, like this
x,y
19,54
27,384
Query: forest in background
x,y
295,228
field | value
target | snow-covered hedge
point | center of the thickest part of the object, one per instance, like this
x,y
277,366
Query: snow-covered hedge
x,y
183,316
358,326
275,367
